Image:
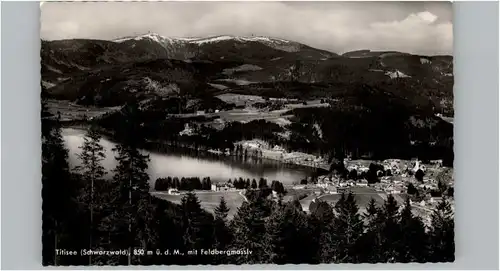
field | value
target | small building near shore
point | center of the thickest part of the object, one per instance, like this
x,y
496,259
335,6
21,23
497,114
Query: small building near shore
x,y
362,183
173,191
221,187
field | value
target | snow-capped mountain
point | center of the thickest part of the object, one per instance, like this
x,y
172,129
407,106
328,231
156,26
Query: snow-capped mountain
x,y
156,38
280,44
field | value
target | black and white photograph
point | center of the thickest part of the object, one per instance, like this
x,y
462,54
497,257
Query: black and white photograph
x,y
242,133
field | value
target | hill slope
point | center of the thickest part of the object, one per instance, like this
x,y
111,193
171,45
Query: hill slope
x,y
111,72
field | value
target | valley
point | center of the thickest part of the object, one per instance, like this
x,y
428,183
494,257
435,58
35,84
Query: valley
x,y
255,107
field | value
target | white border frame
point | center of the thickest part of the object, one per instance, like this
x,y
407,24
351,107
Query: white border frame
x,y
476,142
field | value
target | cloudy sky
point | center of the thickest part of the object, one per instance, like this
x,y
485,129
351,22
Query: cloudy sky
x,y
414,27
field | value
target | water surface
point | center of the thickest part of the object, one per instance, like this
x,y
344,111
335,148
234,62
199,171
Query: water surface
x,y
187,164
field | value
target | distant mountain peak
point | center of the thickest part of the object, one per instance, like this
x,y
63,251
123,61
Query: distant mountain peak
x,y
238,38
174,43
149,35
199,40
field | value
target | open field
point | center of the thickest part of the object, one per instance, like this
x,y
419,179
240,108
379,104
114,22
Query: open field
x,y
362,200
249,113
240,99
243,115
291,193
209,199
71,111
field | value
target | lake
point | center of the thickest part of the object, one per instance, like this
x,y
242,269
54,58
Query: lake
x,y
188,164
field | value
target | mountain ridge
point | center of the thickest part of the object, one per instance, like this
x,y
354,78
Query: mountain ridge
x,y
266,40
86,69
200,39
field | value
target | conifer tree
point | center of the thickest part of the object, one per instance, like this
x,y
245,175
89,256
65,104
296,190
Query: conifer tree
x,y
413,237
391,234
287,238
348,228
442,233
176,183
371,214
209,184
196,223
59,191
323,211
222,232
321,224
222,210
91,170
262,183
248,227
132,200
47,120
167,224
370,243
340,202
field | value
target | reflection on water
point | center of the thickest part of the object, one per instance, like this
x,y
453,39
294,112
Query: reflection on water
x,y
189,164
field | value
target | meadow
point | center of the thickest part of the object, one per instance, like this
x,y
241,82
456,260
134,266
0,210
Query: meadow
x,y
209,200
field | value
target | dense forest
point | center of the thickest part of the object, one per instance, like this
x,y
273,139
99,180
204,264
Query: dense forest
x,y
83,211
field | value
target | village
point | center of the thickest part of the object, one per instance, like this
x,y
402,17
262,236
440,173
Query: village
x,y
424,184
399,178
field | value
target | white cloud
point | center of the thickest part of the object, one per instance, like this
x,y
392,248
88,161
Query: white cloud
x,y
427,16
334,26
416,33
